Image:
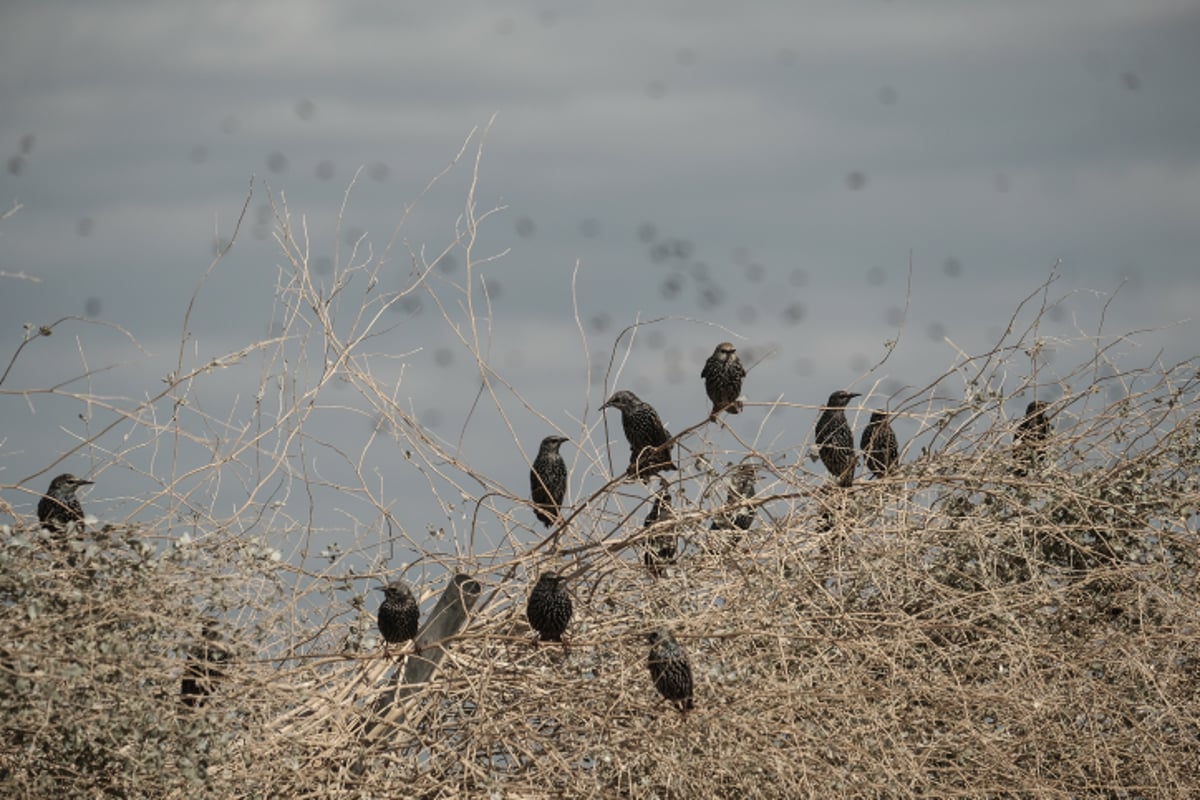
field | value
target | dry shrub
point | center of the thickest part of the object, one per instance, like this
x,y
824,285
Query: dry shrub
x,y
956,628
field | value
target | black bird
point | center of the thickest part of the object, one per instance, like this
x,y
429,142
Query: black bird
x,y
723,374
835,440
660,547
878,443
59,507
1029,440
645,433
549,607
399,613
741,487
201,672
548,480
670,669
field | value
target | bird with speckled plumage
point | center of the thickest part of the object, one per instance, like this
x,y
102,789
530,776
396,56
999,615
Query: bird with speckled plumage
x,y
399,613
549,607
645,433
661,548
548,480
59,508
880,448
835,440
741,488
670,669
723,374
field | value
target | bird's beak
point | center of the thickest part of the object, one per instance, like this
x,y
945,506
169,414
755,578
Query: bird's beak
x,y
854,394
82,482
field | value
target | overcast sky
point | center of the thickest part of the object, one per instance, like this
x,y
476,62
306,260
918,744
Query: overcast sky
x,y
767,167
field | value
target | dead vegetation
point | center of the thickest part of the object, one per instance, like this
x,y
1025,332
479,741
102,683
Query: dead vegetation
x,y
954,629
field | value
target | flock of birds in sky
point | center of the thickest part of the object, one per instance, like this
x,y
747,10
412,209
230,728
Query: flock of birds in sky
x,y
549,609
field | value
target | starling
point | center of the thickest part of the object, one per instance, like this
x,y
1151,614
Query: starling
x,y
1031,435
201,672
398,613
670,669
548,480
645,433
741,488
59,507
835,440
549,607
723,374
660,547
879,446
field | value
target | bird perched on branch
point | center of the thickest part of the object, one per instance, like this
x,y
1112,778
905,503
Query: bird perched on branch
x,y
645,433
549,608
670,669
741,487
723,374
660,547
399,613
1029,440
60,507
880,449
548,480
835,440
201,672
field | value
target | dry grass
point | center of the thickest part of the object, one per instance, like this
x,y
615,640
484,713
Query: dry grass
x,y
952,630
